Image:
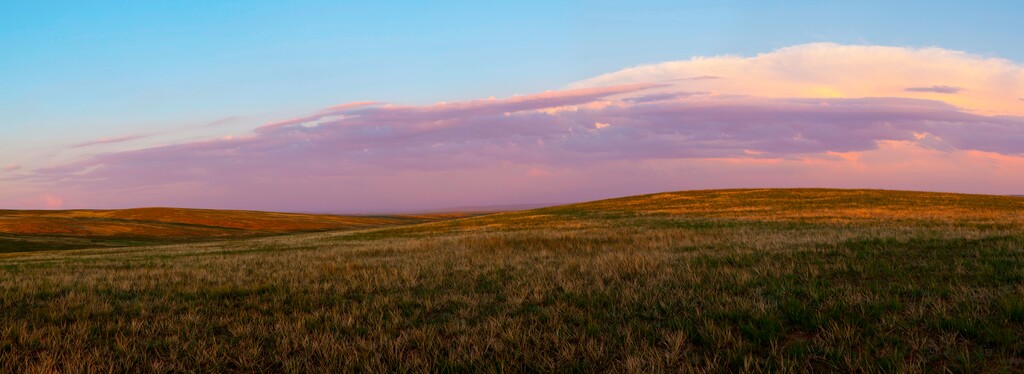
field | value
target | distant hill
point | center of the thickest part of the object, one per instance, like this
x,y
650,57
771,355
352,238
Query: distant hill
x,y
69,229
816,206
490,208
466,210
31,230
807,204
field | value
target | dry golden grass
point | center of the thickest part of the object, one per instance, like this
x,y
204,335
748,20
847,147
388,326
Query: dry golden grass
x,y
694,281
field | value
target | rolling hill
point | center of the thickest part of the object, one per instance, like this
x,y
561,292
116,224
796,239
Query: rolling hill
x,y
69,229
805,280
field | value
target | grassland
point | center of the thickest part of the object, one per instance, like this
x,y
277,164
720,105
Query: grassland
x,y
707,281
22,230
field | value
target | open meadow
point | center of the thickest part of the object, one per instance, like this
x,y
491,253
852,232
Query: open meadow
x,y
801,280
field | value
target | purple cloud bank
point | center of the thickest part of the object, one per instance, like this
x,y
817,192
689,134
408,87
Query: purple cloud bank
x,y
338,157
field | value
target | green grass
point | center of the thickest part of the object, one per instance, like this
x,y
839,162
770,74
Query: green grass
x,y
717,281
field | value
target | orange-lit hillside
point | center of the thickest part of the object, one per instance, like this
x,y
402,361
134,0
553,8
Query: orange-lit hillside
x,y
36,230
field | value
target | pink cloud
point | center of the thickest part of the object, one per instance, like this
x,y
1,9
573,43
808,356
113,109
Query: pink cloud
x,y
50,201
11,167
537,172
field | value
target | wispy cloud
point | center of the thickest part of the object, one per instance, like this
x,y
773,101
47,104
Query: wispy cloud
x,y
11,167
935,89
700,78
224,121
664,96
333,111
119,139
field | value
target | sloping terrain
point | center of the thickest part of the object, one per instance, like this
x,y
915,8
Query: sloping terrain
x,y
698,281
68,229
795,208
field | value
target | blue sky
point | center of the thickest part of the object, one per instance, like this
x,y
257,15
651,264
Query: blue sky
x,y
76,71
100,64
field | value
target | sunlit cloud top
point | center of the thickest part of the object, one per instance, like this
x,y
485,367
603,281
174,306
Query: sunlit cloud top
x,y
824,70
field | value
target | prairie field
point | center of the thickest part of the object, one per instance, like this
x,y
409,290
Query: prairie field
x,y
790,280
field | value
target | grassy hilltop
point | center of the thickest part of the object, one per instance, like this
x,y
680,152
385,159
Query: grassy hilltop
x,y
721,281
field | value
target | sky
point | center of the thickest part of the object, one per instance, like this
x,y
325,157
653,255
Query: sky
x,y
409,105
